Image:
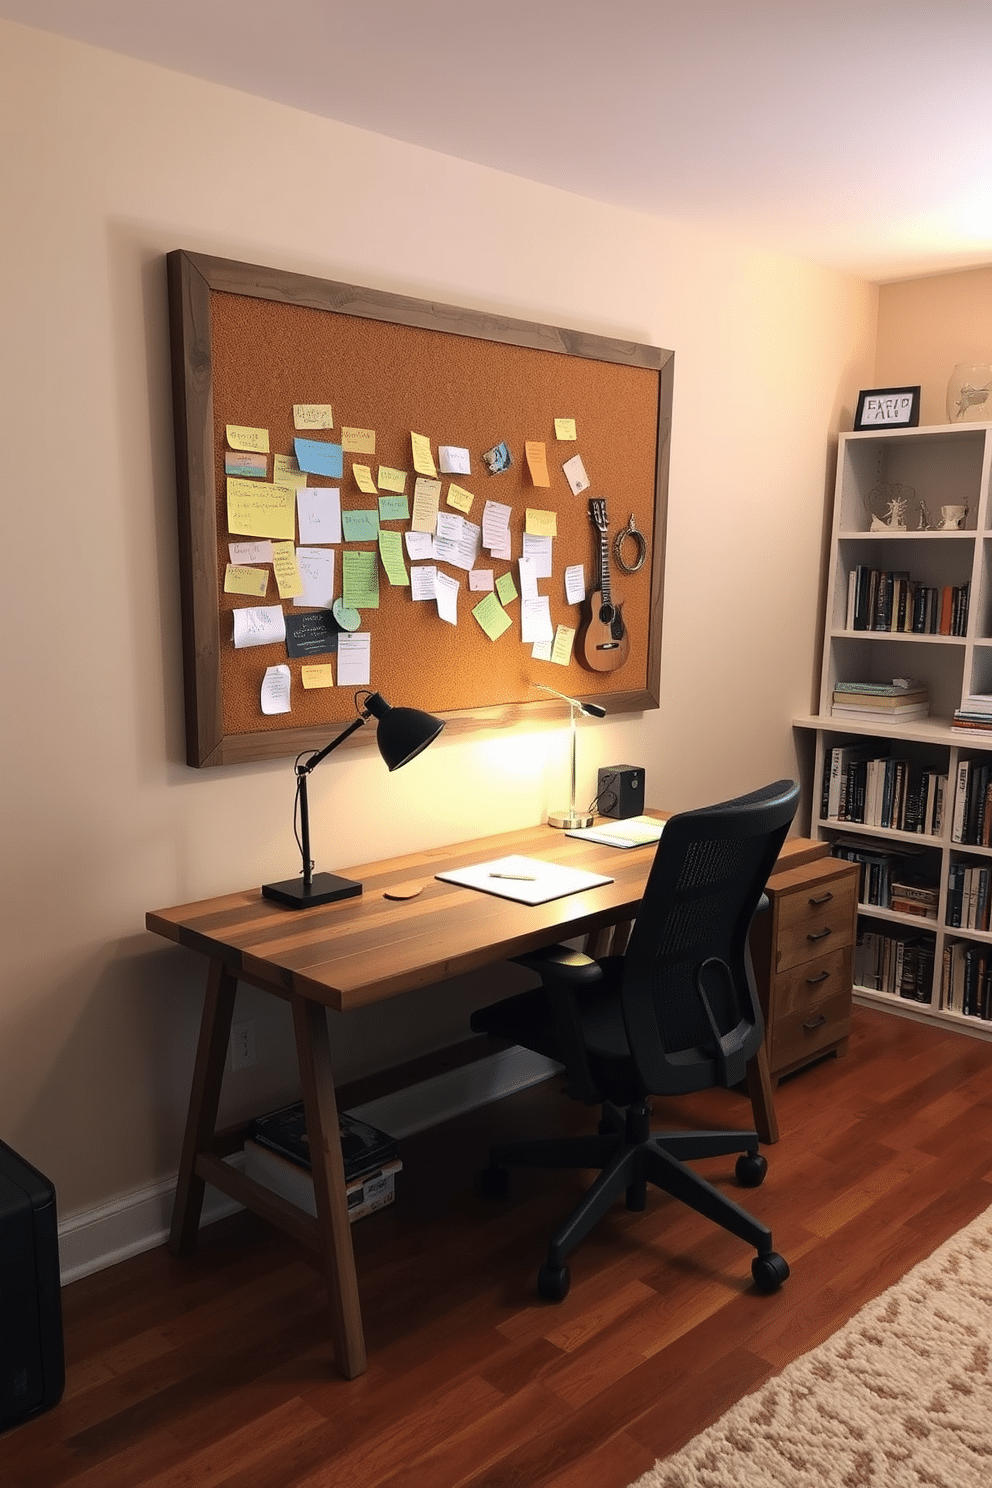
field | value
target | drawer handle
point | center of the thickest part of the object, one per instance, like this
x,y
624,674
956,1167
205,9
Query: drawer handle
x,y
820,977
815,1023
819,934
823,899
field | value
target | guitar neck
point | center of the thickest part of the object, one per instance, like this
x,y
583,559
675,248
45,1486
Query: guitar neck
x,y
604,568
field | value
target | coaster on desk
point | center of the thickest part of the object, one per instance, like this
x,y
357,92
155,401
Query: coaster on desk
x,y
408,890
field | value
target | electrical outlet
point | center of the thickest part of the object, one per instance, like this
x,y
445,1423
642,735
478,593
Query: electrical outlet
x,y
242,1045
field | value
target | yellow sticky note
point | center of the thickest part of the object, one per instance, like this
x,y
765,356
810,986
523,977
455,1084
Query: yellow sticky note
x,y
492,617
460,498
537,462
565,429
319,675
423,459
363,479
391,480
541,523
289,580
561,651
258,509
312,416
358,441
241,438
425,498
239,579
286,471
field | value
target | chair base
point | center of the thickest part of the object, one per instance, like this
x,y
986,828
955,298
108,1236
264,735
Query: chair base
x,y
629,1156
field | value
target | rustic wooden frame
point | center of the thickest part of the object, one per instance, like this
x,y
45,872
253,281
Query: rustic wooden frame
x,y
193,278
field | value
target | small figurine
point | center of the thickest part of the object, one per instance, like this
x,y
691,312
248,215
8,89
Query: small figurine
x,y
895,510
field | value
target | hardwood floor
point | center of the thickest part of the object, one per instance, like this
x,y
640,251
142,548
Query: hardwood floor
x,y
216,1370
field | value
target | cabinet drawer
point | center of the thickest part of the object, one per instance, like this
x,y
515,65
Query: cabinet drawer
x,y
815,921
805,1031
812,981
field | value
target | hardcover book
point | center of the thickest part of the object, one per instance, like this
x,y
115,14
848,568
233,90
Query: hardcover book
x,y
363,1147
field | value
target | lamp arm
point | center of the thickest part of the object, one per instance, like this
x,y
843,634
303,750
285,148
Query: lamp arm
x,y
315,759
303,769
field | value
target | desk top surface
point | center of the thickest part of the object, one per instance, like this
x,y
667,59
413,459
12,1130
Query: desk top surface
x,y
368,948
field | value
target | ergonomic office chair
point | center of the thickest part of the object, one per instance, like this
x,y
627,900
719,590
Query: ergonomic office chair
x,y
676,1013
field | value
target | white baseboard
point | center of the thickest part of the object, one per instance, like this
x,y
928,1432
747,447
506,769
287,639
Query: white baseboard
x,y
139,1221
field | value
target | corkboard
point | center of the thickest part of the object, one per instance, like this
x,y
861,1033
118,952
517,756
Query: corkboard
x,y
249,342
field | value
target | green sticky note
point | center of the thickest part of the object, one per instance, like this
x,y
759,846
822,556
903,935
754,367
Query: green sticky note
x,y
506,588
394,509
492,617
391,552
360,580
360,526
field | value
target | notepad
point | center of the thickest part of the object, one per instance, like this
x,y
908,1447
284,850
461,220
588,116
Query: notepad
x,y
633,831
528,880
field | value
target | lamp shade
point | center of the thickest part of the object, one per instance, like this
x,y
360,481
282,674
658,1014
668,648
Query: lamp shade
x,y
402,732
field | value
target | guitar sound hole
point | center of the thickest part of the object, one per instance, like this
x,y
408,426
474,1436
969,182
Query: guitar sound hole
x,y
606,614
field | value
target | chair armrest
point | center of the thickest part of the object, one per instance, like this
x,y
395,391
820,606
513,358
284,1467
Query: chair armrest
x,y
563,973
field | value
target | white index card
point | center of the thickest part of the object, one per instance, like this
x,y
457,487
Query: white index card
x,y
447,598
453,460
528,578
354,658
539,549
419,545
259,625
318,509
316,567
275,689
575,583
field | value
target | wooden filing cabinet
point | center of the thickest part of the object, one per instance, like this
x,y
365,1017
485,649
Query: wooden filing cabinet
x,y
802,949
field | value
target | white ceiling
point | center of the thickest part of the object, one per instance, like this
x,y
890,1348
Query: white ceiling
x,y
858,135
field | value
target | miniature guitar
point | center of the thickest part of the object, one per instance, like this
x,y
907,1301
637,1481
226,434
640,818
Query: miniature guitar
x,y
605,644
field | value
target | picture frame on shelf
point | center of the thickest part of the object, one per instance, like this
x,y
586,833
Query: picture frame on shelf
x,y
888,408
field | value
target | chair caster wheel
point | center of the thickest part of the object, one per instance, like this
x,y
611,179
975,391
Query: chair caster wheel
x,y
553,1283
751,1169
769,1271
494,1183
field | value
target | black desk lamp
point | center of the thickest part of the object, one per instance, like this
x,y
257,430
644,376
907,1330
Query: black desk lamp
x,y
402,733
571,818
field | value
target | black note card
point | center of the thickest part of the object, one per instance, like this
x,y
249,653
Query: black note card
x,y
313,633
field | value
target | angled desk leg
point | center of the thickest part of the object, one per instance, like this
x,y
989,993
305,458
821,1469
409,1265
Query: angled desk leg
x,y
759,1088
333,1227
201,1122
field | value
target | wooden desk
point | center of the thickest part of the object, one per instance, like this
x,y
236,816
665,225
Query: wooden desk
x,y
354,952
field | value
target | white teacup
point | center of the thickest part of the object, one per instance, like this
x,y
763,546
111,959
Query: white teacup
x,y
952,518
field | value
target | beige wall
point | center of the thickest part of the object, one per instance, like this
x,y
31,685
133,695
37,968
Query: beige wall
x,y
926,326
108,165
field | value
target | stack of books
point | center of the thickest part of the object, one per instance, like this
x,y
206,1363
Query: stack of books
x,y
897,701
971,816
277,1155
975,714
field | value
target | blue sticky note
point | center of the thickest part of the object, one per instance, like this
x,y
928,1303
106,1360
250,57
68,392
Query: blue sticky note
x,y
317,457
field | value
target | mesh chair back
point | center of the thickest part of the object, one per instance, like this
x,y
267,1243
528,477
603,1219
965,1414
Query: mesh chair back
x,y
689,1003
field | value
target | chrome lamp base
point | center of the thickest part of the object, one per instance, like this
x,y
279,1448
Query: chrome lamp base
x,y
569,819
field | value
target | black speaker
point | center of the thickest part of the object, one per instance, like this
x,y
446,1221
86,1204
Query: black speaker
x,y
620,790
32,1358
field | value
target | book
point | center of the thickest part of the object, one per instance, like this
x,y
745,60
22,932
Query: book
x,y
902,714
881,700
365,1194
632,831
363,1147
897,688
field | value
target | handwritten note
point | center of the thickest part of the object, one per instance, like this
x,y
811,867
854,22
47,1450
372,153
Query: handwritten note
x,y
506,588
454,460
360,526
391,480
394,509
541,523
318,675
250,552
538,549
318,511
243,462
286,570
363,479
259,625
492,617
358,441
419,545
286,471
561,650
575,474
535,619
537,462
257,509
447,597
316,567
360,580
460,498
275,689
575,583
312,634
426,494
565,429
240,580
240,437
319,457
480,579
391,553
312,416
423,459
423,583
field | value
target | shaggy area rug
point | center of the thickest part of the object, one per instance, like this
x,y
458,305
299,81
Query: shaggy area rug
x,y
900,1397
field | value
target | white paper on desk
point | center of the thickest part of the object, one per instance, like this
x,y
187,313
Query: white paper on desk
x,y
535,619
539,880
631,831
316,567
354,658
447,597
318,509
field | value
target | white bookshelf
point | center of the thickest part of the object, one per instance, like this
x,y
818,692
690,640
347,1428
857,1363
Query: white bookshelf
x,y
948,464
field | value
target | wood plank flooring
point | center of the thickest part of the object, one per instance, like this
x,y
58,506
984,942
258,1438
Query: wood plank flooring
x,y
216,1370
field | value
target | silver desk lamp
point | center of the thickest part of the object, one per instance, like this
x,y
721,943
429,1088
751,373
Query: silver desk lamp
x,y
572,818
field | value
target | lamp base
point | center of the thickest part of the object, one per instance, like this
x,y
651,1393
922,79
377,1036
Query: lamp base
x,y
569,819
325,888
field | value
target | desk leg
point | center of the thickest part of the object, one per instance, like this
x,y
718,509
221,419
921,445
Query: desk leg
x,y
759,1088
201,1122
334,1231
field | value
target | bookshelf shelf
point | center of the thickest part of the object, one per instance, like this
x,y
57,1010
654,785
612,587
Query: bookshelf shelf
x,y
924,759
